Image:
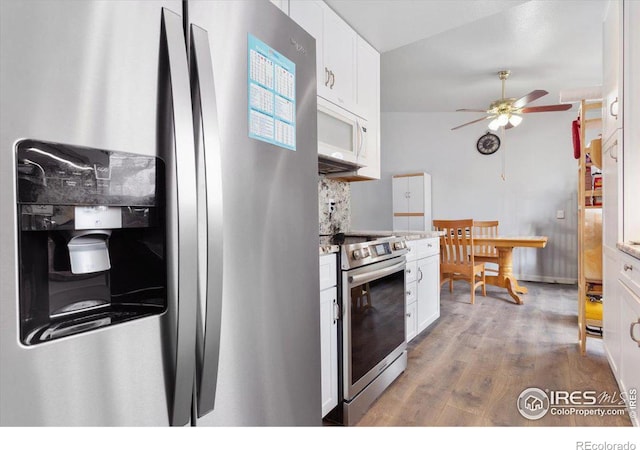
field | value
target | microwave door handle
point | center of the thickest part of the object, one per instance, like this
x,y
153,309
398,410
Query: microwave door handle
x,y
358,139
356,280
361,131
210,183
182,225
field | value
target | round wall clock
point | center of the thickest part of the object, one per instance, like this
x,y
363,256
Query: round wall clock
x,y
488,144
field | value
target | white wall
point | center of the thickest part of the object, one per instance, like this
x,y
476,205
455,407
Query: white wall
x,y
541,178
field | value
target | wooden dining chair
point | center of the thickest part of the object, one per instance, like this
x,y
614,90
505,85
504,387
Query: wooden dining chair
x,y
457,255
486,253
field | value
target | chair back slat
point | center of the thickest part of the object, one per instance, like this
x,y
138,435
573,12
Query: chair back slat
x,y
456,244
485,228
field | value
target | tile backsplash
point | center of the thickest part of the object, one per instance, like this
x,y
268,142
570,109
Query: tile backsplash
x,y
340,192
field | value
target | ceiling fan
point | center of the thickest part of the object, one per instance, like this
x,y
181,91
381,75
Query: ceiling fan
x,y
506,112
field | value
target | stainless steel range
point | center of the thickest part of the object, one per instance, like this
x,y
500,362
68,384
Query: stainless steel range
x,y
373,322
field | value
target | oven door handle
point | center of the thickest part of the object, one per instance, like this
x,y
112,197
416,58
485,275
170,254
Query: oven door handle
x,y
370,276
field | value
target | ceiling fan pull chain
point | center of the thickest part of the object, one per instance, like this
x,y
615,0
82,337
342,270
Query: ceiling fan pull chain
x,y
504,159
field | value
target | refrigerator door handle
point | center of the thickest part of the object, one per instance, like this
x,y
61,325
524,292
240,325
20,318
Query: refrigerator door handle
x,y
210,223
182,222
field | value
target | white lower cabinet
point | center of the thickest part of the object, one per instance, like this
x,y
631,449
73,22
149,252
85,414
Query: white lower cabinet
x,y
611,330
411,309
328,332
423,285
428,291
628,373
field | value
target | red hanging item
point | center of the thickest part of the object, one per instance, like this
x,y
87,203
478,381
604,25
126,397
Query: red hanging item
x,y
575,128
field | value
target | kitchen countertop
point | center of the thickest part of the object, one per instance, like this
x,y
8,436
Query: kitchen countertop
x,y
326,247
408,235
630,249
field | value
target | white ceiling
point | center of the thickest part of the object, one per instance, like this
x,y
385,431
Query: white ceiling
x,y
441,55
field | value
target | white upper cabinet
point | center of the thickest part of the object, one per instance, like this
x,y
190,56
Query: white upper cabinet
x,y
339,48
348,75
612,71
282,4
335,50
368,103
631,180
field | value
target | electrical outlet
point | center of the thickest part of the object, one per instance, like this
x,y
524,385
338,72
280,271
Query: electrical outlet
x,y
332,205
560,214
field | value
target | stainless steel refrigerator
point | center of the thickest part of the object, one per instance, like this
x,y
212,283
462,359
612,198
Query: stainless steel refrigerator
x,y
159,219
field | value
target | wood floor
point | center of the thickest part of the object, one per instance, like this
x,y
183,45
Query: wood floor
x,y
469,367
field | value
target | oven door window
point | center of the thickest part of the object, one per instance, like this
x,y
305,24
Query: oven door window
x,y
377,322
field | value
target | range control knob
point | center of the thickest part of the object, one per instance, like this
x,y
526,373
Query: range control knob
x,y
398,245
357,254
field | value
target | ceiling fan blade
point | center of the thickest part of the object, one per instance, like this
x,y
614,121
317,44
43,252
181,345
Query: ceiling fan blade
x,y
531,96
469,123
472,110
546,108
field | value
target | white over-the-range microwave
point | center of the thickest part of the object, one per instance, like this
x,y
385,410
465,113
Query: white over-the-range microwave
x,y
342,136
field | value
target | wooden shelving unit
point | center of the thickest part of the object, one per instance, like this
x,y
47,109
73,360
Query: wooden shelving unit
x,y
589,227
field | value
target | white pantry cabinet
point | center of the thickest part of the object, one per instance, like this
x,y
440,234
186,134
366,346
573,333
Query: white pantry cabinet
x,y
335,50
328,332
621,219
423,285
411,202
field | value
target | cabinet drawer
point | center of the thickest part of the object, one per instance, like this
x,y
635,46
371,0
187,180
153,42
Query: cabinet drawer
x,y
421,248
630,272
411,321
428,247
411,272
412,255
328,268
411,293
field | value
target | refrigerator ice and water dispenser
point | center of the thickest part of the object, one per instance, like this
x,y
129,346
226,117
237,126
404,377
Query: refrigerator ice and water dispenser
x,y
91,239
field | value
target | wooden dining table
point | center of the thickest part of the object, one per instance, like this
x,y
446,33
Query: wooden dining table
x,y
505,245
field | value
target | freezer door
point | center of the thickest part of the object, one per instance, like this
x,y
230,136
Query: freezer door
x,y
113,76
269,358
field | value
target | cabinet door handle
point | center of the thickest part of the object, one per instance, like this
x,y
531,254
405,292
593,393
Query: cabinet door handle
x,y
408,292
628,267
336,311
326,76
612,156
408,314
333,79
633,338
408,270
420,272
611,108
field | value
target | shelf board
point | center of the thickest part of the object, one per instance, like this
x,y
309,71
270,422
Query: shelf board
x,y
593,207
596,122
593,193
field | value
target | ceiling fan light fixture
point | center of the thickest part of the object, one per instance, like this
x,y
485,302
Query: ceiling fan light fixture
x,y
503,119
515,120
494,125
